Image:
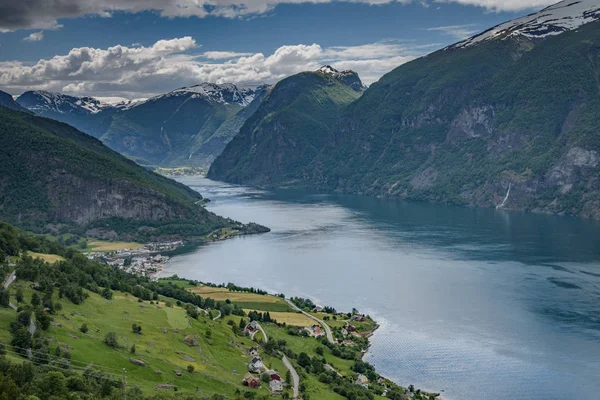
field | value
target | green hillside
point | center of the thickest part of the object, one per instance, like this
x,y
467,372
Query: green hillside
x,y
55,178
92,322
462,125
288,130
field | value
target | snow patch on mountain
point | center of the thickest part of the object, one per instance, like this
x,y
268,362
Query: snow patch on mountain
x,y
41,100
223,93
564,16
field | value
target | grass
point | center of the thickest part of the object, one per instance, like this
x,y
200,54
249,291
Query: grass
x,y
215,359
290,318
100,245
51,258
251,301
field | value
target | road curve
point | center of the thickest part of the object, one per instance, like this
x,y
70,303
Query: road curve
x,y
293,373
321,322
263,332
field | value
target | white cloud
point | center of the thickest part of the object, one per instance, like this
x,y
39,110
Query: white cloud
x,y
223,55
504,5
44,14
34,37
134,72
458,32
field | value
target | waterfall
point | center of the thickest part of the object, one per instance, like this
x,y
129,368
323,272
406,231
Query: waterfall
x,y
505,198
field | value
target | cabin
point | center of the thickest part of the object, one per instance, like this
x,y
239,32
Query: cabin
x,y
251,381
273,375
276,386
253,352
256,365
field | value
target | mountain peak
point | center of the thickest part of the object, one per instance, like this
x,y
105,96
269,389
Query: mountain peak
x,y
222,93
43,100
561,17
347,76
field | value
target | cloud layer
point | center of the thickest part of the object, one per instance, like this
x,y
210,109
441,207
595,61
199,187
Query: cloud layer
x,y
139,71
44,14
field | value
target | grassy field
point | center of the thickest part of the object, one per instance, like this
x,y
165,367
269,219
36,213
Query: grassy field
x,y
289,318
99,245
51,258
250,301
219,361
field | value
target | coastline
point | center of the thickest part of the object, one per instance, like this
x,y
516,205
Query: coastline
x,y
368,335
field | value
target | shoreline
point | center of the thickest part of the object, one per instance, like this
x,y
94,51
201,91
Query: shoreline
x,y
368,336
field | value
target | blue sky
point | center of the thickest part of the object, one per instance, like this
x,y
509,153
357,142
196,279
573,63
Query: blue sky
x,y
155,51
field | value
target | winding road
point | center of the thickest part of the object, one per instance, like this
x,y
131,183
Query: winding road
x,y
321,322
263,332
293,373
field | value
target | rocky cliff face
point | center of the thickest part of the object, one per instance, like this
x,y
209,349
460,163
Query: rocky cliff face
x,y
508,123
55,176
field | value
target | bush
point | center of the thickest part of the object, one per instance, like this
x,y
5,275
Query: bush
x,y
111,340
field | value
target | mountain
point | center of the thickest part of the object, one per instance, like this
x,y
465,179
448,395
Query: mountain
x,y
56,178
7,101
289,127
554,20
87,114
173,129
507,119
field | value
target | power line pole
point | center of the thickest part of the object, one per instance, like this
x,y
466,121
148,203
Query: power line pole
x,y
124,384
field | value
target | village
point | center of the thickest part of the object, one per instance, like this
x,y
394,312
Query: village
x,y
145,260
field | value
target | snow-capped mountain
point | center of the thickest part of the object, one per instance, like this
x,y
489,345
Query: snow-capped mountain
x,y
554,20
347,76
41,102
225,93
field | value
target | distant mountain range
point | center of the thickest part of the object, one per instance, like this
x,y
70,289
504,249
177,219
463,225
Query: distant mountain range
x,y
175,129
508,118
58,179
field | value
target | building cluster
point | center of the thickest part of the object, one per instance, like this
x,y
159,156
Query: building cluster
x,y
142,261
256,366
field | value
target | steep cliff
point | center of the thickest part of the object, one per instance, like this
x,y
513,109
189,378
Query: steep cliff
x,y
55,176
509,122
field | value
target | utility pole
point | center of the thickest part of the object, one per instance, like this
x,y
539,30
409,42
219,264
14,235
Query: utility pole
x,y
124,384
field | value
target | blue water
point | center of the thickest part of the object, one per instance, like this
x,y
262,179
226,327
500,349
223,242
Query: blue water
x,y
480,304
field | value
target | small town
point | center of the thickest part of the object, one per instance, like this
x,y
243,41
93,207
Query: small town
x,y
146,260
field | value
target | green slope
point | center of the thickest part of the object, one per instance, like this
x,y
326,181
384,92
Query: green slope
x,y
54,175
460,126
287,131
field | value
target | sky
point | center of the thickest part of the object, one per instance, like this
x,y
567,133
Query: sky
x,y
139,48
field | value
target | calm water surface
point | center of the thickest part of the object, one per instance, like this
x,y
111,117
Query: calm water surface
x,y
481,304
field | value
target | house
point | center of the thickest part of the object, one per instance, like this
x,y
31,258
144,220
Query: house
x,y
251,381
273,375
251,328
314,331
356,334
362,380
256,365
359,318
276,386
350,328
253,352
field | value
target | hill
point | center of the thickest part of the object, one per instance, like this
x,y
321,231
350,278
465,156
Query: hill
x,y
174,129
55,178
91,322
288,129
